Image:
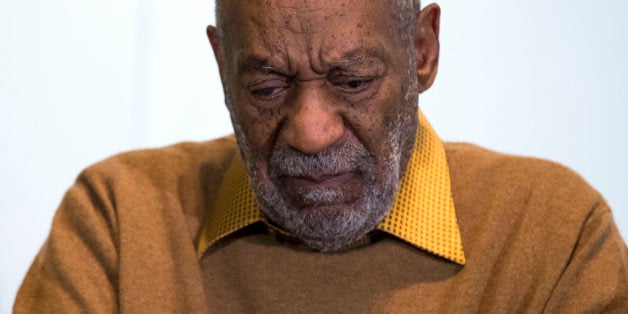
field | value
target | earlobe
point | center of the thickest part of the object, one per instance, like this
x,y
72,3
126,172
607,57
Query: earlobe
x,y
214,40
427,45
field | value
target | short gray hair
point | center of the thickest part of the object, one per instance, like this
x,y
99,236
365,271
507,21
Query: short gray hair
x,y
405,15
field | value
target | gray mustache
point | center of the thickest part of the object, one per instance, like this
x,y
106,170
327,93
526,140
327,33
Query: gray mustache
x,y
334,159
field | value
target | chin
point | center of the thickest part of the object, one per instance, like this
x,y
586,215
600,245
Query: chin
x,y
327,223
330,228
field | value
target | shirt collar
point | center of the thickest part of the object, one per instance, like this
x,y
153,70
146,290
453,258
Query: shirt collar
x,y
423,213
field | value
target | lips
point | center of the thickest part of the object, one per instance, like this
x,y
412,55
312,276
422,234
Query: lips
x,y
322,190
322,181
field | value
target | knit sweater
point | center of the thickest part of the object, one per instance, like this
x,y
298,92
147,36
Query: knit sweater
x,y
536,238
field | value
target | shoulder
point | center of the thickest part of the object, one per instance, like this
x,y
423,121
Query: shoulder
x,y
167,163
538,224
506,193
490,171
151,186
183,178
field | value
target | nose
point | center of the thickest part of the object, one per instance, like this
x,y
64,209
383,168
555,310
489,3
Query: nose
x,y
313,123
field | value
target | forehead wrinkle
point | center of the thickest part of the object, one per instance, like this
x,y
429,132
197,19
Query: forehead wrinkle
x,y
305,5
266,34
273,38
306,17
352,60
357,58
301,53
266,46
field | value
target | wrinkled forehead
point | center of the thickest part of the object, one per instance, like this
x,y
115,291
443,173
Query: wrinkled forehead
x,y
315,24
305,16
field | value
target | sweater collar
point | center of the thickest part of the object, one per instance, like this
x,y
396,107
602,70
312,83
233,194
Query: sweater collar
x,y
423,213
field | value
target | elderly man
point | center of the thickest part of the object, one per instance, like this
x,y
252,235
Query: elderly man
x,y
351,203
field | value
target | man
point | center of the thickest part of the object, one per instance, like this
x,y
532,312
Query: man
x,y
337,197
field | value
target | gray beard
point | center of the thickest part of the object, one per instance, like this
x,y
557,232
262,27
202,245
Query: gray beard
x,y
331,229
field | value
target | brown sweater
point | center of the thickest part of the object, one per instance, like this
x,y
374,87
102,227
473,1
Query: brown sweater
x,y
535,235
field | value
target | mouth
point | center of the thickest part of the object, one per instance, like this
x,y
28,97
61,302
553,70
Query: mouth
x,y
321,181
322,189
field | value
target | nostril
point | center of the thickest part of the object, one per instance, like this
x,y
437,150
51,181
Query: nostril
x,y
313,135
312,122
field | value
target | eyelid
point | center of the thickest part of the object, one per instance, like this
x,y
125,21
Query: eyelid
x,y
347,79
263,81
360,69
256,89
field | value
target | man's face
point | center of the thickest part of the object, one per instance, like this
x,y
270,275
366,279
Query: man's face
x,y
323,99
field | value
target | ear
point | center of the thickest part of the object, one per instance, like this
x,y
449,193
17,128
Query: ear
x,y
214,40
427,45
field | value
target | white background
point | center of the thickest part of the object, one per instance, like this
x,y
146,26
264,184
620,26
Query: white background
x,y
82,80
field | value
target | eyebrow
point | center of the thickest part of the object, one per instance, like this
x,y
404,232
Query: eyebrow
x,y
359,57
351,60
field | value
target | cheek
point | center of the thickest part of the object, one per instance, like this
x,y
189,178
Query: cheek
x,y
373,120
259,126
384,124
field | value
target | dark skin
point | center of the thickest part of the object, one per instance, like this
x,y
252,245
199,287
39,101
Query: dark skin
x,y
306,75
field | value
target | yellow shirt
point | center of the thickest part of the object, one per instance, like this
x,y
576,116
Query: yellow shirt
x,y
423,213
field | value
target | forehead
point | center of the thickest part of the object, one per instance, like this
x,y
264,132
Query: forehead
x,y
305,16
310,17
324,29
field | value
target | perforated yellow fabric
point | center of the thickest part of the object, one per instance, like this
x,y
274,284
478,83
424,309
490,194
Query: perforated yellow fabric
x,y
423,214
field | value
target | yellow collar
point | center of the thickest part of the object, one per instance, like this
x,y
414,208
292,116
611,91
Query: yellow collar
x,y
423,214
